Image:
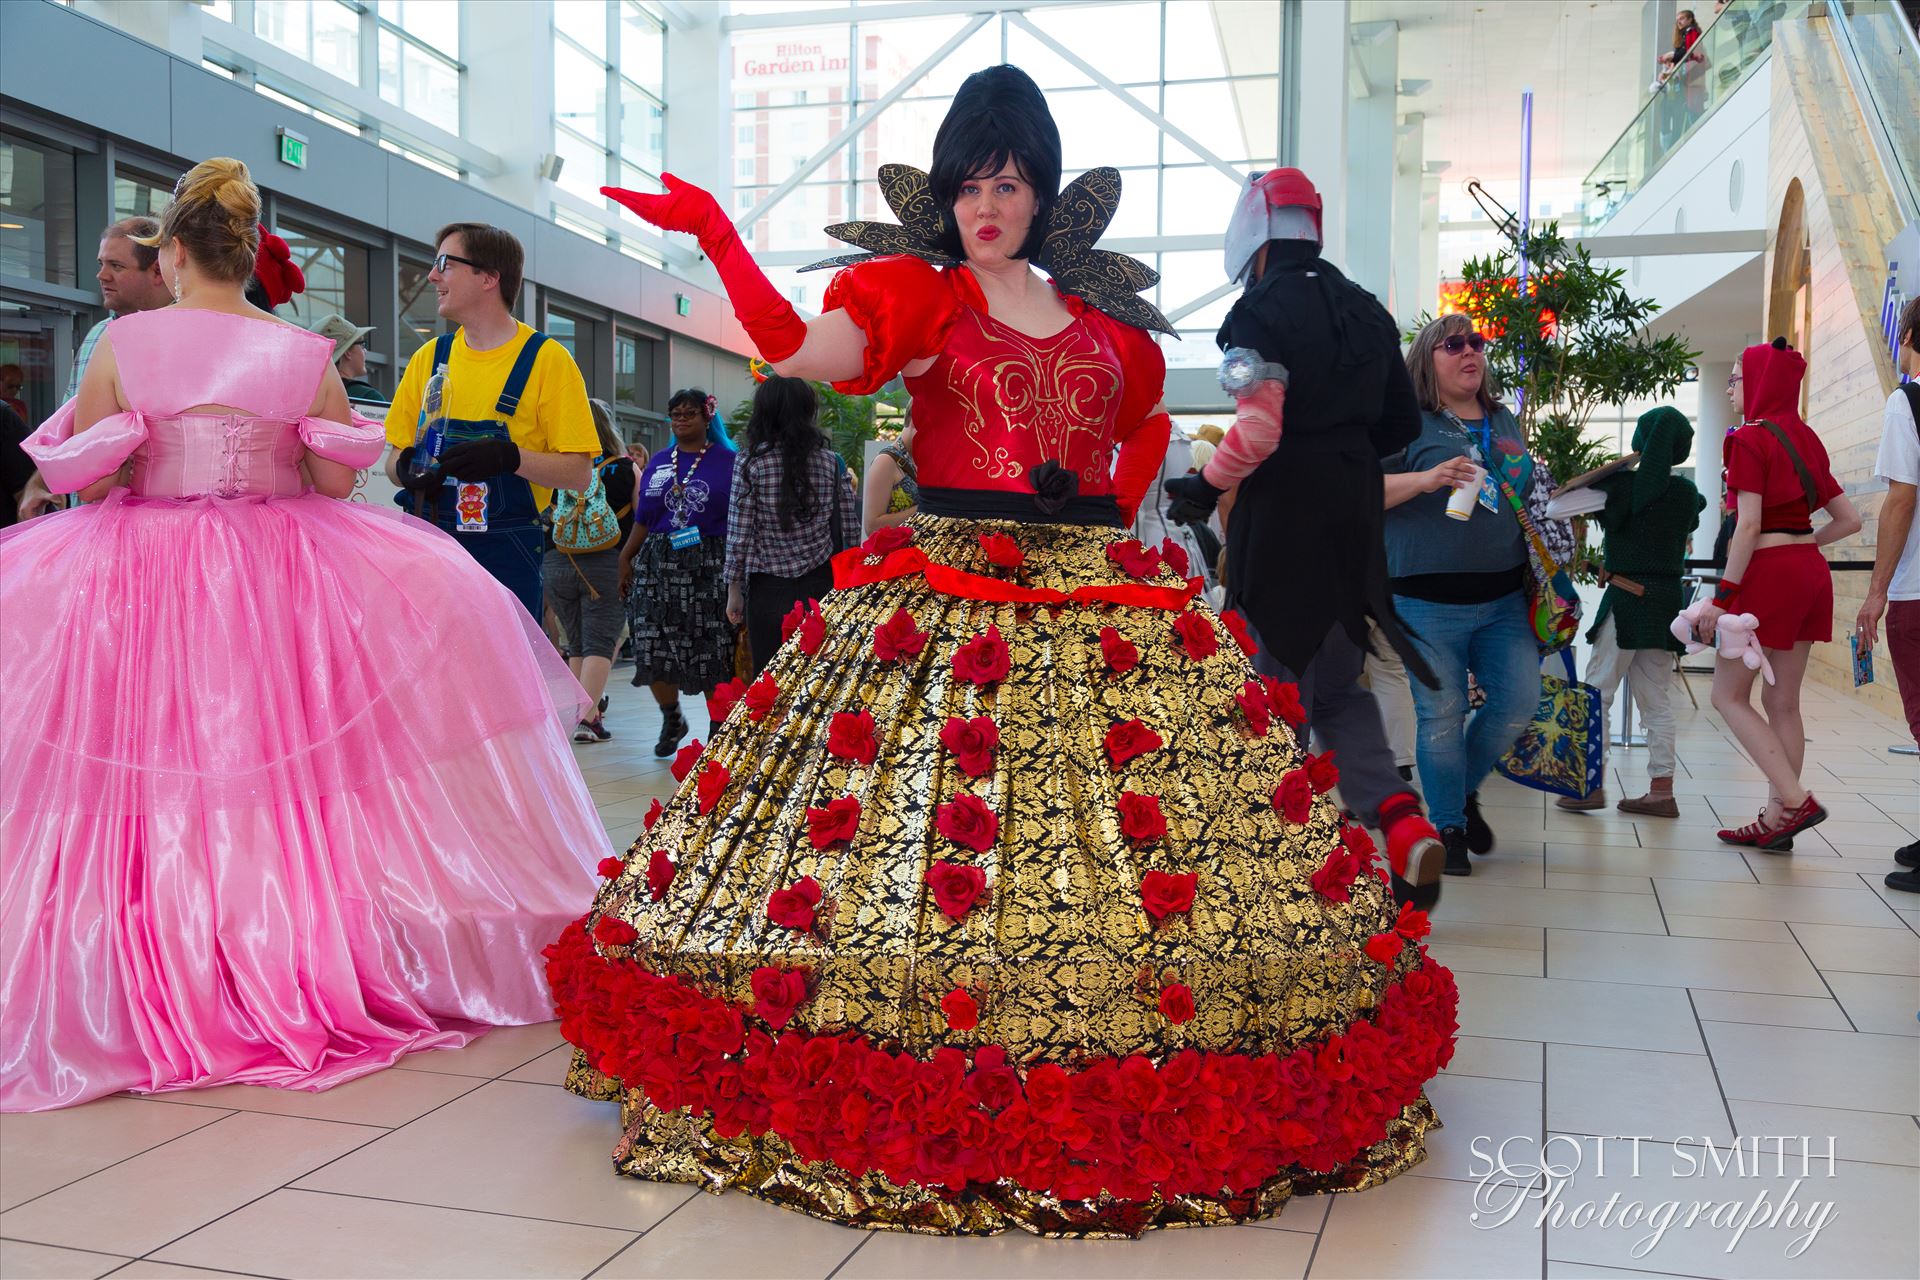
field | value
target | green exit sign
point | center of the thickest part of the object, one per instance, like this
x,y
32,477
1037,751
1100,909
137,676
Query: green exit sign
x,y
682,304
293,148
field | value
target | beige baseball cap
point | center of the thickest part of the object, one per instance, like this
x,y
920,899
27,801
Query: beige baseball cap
x,y
343,332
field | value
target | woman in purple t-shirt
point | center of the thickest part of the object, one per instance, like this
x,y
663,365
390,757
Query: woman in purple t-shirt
x,y
672,566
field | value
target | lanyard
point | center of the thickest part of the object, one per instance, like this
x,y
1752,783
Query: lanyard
x,y
680,482
1484,432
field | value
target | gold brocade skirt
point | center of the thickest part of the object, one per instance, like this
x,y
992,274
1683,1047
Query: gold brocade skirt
x,y
1112,973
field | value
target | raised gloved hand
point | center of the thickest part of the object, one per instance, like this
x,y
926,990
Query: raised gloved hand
x,y
424,483
769,319
1193,499
480,459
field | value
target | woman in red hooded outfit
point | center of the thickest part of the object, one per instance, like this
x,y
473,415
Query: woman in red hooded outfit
x,y
1778,471
1004,897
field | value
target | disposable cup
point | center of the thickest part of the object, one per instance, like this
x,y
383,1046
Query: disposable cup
x,y
1460,506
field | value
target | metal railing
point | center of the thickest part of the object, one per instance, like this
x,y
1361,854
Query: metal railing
x,y
1740,39
1883,61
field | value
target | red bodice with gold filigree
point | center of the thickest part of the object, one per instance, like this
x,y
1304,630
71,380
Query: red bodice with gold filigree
x,y
996,403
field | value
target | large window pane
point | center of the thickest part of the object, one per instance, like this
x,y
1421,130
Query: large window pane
x,y
889,50
1048,69
643,134
579,91
336,40
643,48
286,23
1128,40
437,22
135,195
792,65
626,373
1196,200
419,312
576,334
585,169
336,272
432,88
902,134
1097,128
37,220
1238,120
800,219
1224,38
585,21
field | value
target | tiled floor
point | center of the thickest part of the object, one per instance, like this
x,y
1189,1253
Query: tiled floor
x,y
1619,979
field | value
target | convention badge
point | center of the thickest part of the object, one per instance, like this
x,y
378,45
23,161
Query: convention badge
x,y
470,504
1489,491
1862,662
681,539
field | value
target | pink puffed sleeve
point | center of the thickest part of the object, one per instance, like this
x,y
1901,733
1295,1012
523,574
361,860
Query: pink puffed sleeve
x,y
356,443
905,306
69,461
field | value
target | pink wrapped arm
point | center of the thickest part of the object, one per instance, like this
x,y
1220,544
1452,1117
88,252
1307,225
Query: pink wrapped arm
x,y
69,461
358,443
1251,440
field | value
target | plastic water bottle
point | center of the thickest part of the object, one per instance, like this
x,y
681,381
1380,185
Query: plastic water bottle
x,y
431,436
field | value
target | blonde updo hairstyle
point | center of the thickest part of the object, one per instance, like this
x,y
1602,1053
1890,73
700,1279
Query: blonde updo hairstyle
x,y
216,214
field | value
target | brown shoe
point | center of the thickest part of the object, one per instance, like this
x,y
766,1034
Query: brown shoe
x,y
1594,799
1654,804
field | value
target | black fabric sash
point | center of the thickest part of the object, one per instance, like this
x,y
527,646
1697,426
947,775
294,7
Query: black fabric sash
x,y
998,504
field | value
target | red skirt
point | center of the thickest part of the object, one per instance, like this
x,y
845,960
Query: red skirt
x,y
1790,589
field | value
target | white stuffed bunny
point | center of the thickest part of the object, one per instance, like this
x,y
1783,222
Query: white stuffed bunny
x,y
1735,633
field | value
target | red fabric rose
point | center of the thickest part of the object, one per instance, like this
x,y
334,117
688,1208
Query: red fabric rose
x,y
721,700
1253,705
1176,557
761,697
1385,947
1358,842
1140,817
891,538
956,887
1002,550
1322,773
1176,1003
1119,652
1192,632
777,993
813,629
654,811
660,873
1412,924
961,1012
984,659
793,906
1294,797
1242,633
710,785
837,822
612,931
1334,880
791,622
973,742
1165,893
612,867
1134,559
969,821
1128,739
898,637
851,736
683,762
1284,701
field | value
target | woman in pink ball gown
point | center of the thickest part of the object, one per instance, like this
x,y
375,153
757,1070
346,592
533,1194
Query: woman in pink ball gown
x,y
284,788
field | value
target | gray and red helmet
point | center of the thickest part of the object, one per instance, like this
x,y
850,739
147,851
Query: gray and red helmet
x,y
1280,204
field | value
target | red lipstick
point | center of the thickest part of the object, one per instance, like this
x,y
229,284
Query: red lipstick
x,y
988,233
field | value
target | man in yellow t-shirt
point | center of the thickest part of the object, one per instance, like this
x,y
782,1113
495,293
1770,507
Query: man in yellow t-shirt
x,y
519,425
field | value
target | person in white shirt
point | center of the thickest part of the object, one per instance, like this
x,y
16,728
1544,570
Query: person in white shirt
x,y
1894,591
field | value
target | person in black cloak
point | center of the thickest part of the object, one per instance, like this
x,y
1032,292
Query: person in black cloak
x,y
1310,503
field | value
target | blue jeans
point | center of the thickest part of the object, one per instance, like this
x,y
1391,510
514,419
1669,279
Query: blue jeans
x,y
1494,641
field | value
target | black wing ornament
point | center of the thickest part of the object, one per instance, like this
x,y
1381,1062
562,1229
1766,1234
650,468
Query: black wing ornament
x,y
1110,281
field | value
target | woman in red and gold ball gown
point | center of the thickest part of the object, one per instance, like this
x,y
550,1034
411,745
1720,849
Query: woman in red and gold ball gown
x,y
1005,897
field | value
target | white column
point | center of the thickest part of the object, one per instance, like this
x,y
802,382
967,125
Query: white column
x,y
1321,65
1709,433
502,45
1372,91
1409,294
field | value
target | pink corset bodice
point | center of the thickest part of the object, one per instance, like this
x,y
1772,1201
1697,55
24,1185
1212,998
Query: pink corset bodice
x,y
177,359
195,455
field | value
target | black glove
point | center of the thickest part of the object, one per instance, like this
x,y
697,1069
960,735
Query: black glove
x,y
481,459
426,482
1193,499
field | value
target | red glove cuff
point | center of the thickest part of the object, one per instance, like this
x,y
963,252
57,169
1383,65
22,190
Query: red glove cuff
x,y
1725,594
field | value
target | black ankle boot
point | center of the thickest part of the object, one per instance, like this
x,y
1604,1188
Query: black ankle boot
x,y
1478,834
673,727
1458,864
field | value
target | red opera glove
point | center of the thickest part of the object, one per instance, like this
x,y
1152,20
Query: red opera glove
x,y
1251,440
1137,464
769,319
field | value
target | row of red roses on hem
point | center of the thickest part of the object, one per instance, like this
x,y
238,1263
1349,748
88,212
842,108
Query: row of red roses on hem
x,y
1195,1123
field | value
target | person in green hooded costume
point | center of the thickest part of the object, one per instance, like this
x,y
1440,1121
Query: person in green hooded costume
x,y
1649,516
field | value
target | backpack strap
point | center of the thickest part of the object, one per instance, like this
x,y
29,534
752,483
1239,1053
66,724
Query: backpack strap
x,y
1799,466
509,402
442,352
1911,390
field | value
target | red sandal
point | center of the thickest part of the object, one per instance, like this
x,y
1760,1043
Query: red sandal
x,y
1754,835
1807,814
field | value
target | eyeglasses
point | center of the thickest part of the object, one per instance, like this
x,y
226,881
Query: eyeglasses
x,y
440,262
1453,344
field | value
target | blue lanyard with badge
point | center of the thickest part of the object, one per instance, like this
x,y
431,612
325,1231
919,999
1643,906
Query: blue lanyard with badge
x,y
676,501
1480,443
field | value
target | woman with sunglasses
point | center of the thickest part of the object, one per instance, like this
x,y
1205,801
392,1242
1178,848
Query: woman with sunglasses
x,y
1460,584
